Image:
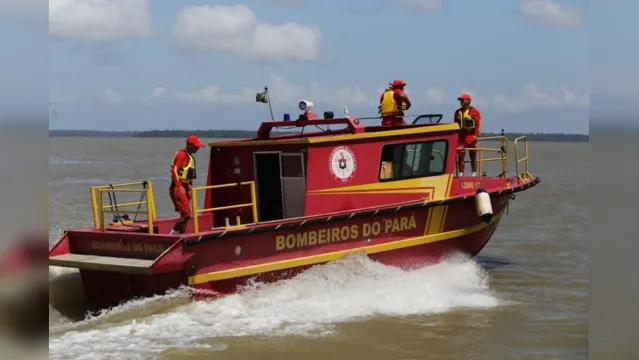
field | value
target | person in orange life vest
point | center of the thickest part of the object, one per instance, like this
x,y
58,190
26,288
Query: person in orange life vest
x,y
392,104
182,176
469,120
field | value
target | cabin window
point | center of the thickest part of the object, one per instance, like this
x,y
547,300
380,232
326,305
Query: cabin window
x,y
412,160
292,165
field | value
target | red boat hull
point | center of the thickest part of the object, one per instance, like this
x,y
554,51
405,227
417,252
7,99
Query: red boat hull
x,y
215,266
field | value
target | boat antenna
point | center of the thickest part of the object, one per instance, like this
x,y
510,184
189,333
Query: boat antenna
x,y
346,113
264,98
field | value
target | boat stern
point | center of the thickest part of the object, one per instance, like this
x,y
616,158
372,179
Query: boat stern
x,y
116,266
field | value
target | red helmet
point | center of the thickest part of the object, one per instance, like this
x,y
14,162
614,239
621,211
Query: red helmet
x,y
194,140
398,83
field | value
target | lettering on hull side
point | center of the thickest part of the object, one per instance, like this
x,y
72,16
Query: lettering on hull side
x,y
470,184
344,233
127,247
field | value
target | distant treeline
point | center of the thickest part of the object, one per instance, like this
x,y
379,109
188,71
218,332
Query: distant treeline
x,y
544,137
222,134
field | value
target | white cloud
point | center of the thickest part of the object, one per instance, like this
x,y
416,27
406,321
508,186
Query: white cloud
x,y
99,20
572,99
283,91
532,98
111,96
236,29
213,94
422,4
552,13
157,92
435,96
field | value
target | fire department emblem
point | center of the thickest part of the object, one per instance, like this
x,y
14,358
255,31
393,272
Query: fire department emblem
x,y
342,164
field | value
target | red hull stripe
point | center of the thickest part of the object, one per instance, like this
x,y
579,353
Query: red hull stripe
x,y
318,259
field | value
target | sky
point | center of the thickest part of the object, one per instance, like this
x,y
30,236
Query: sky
x,y
186,64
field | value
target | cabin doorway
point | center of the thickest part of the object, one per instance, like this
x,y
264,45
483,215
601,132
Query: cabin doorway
x,y
293,184
269,186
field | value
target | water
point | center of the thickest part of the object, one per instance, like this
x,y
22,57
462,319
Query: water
x,y
525,297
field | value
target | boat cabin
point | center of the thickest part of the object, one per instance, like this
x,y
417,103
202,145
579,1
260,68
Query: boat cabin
x,y
329,165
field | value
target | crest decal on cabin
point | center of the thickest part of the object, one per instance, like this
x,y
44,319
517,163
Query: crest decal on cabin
x,y
342,163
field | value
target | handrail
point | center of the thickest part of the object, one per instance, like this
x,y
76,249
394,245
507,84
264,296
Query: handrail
x,y
502,151
354,125
196,211
525,175
99,209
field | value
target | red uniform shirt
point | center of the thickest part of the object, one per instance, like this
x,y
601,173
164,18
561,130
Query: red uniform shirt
x,y
474,113
181,159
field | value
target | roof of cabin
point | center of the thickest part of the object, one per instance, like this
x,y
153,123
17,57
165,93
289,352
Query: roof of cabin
x,y
375,133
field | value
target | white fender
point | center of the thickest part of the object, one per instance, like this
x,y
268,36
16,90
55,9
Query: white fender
x,y
483,206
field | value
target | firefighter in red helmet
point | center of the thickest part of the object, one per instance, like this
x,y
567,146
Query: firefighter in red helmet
x,y
469,120
392,104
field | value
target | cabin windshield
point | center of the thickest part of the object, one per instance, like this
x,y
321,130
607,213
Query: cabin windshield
x,y
428,119
412,160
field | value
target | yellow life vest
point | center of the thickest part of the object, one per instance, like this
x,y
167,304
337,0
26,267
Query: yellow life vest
x,y
465,121
388,105
187,174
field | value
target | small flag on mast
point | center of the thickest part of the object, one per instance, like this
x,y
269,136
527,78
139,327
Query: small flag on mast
x,y
262,97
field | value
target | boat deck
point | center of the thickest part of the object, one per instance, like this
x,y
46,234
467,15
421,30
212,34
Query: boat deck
x,y
205,228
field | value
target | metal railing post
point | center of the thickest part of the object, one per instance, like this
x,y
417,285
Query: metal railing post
x,y
94,208
101,209
253,200
526,154
515,145
194,210
151,201
149,212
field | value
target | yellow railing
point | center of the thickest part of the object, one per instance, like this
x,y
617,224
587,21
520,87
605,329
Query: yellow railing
x,y
502,151
523,176
99,209
196,211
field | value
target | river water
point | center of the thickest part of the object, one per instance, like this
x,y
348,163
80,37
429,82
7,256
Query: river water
x,y
524,297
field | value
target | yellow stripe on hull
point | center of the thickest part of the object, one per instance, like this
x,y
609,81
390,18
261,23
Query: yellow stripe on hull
x,y
409,191
436,220
426,184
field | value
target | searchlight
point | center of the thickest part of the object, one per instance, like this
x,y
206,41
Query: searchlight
x,y
305,106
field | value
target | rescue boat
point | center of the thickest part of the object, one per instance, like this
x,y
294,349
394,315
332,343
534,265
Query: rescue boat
x,y
277,204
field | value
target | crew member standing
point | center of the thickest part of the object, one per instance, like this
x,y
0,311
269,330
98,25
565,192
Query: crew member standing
x,y
182,176
469,120
392,104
